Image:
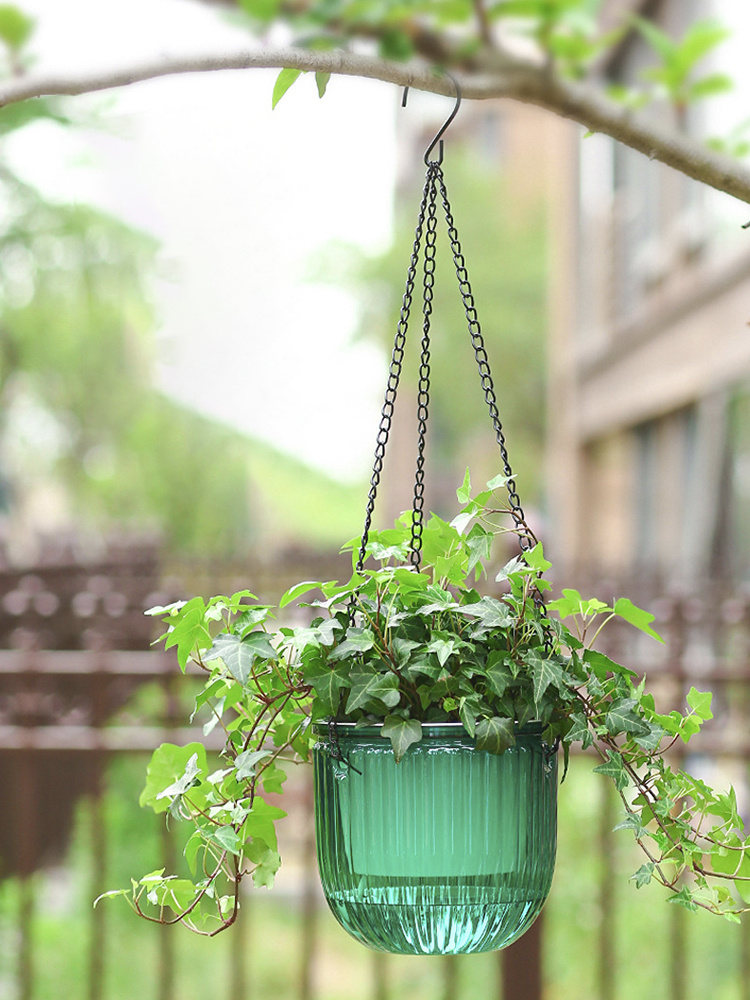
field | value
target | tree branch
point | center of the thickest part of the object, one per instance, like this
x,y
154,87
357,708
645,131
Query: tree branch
x,y
500,77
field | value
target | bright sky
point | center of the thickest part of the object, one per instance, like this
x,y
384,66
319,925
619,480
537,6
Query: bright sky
x,y
242,199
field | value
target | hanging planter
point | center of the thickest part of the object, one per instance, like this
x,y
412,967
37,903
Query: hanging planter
x,y
433,714
450,851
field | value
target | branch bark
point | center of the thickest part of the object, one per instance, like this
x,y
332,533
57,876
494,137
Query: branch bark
x,y
499,77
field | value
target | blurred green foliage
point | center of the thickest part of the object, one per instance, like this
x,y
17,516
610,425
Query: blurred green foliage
x,y
78,403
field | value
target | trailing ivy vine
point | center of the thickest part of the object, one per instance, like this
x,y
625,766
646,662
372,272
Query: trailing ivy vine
x,y
398,647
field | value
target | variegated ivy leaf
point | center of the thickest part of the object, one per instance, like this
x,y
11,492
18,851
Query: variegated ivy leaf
x,y
614,769
402,733
490,612
495,735
622,719
368,685
246,763
358,640
239,654
328,682
545,671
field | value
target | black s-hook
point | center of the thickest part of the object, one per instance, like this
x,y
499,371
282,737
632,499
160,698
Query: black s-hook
x,y
446,123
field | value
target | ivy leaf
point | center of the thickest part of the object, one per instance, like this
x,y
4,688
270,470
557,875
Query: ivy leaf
x,y
358,640
495,735
636,616
684,898
490,612
622,719
368,685
297,591
186,780
632,822
614,769
249,619
644,875
226,837
238,654
535,559
498,672
402,733
443,647
463,493
700,703
579,732
169,764
189,633
650,740
479,541
246,762
284,81
468,711
260,822
267,862
328,683
544,671
273,779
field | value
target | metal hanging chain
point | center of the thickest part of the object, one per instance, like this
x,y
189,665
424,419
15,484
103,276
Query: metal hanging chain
x,y
394,373
423,396
527,539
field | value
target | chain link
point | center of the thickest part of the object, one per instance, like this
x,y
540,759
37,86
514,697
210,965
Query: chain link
x,y
394,374
423,397
435,183
526,536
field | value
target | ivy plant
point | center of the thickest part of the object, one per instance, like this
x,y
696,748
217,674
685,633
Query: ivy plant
x,y
399,647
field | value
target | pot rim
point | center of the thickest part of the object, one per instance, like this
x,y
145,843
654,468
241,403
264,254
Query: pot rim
x,y
350,729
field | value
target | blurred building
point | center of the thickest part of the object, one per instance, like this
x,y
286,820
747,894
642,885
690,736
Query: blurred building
x,y
649,429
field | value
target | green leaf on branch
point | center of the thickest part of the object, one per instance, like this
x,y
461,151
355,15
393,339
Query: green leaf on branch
x,y
262,10
259,824
684,898
267,862
168,765
226,837
328,683
544,671
614,769
358,640
247,762
622,719
284,81
368,685
239,654
322,80
535,559
189,632
402,733
16,28
636,616
644,875
297,591
463,493
700,703
579,732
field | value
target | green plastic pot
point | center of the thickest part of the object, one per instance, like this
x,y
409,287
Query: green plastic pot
x,y
450,851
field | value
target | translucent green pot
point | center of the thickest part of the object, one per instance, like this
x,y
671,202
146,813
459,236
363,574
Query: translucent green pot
x,y
450,851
